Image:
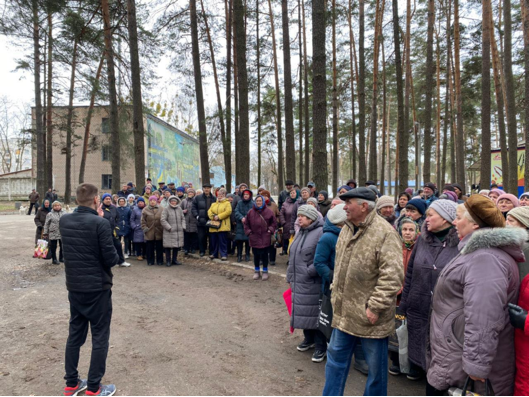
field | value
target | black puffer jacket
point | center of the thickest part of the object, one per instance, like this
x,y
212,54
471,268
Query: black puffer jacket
x,y
201,207
111,214
89,251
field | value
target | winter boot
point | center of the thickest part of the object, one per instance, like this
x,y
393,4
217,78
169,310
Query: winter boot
x,y
257,275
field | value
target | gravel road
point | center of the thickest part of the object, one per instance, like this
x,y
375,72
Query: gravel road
x,y
203,328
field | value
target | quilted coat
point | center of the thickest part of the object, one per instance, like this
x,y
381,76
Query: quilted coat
x,y
151,223
135,224
174,225
241,210
191,221
285,216
368,273
326,253
51,226
221,208
521,344
124,221
303,277
260,225
470,332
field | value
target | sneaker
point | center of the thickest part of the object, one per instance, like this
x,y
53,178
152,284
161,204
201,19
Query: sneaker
x,y
139,258
82,384
304,346
414,374
124,264
318,356
394,370
223,258
104,390
265,276
361,366
212,257
126,256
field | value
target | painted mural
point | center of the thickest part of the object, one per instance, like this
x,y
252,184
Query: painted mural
x,y
171,156
497,173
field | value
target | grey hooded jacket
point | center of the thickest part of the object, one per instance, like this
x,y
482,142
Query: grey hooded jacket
x,y
174,225
470,332
303,277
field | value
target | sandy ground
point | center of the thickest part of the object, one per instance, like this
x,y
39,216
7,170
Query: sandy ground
x,y
203,328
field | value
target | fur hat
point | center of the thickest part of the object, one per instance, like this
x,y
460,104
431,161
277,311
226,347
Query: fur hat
x,y
385,201
309,211
484,211
338,215
511,197
445,208
521,214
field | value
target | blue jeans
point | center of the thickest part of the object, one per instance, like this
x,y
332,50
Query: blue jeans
x,y
339,355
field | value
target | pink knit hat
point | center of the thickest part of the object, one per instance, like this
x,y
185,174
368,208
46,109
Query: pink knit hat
x,y
511,197
153,197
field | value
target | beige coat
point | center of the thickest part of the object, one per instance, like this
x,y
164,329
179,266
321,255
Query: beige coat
x,y
368,272
151,223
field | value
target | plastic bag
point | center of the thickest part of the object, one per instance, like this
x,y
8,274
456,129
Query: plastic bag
x,y
287,297
402,335
42,249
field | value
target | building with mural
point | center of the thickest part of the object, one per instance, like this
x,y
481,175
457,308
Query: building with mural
x,y
496,175
171,155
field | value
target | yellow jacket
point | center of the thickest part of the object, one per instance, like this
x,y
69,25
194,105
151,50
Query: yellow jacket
x,y
223,210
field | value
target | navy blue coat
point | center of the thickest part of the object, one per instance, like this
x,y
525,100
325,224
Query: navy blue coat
x,y
325,254
241,210
124,221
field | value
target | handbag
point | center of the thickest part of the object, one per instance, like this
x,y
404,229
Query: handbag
x,y
213,224
325,316
489,391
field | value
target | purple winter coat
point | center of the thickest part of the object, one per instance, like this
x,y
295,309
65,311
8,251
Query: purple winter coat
x,y
135,225
259,227
470,332
428,259
285,216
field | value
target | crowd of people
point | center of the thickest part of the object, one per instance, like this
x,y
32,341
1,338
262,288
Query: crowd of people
x,y
452,265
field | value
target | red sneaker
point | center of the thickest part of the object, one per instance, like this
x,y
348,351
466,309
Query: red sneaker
x,y
73,391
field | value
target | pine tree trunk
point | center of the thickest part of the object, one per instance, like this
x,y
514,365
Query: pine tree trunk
x,y
496,67
510,185
39,128
459,133
335,150
243,140
137,103
485,96
289,106
384,126
447,113
306,103
49,107
428,97
525,9
95,88
362,172
227,149
114,122
374,117
402,134
259,148
300,100
280,166
319,101
202,134
438,118
227,160
352,59
69,128
453,126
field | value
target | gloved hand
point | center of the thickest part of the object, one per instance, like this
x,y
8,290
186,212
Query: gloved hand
x,y
517,316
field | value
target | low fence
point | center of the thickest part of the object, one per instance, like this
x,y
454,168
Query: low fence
x,y
17,188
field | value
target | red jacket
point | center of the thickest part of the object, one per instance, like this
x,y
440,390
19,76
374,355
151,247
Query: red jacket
x,y
521,345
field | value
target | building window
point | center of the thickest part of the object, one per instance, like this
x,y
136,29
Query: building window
x,y
105,125
106,182
105,153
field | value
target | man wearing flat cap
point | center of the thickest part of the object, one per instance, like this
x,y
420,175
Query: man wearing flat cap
x,y
200,209
368,274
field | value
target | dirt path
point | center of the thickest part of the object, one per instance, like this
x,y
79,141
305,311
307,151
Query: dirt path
x,y
198,329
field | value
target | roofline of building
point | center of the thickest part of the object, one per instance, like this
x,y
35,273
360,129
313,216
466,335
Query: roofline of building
x,y
17,172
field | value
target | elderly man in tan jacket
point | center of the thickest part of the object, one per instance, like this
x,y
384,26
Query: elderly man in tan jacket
x,y
368,274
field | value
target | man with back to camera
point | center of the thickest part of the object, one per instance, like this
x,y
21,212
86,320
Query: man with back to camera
x,y
89,255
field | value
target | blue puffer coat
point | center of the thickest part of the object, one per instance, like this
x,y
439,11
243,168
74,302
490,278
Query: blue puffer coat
x,y
241,210
325,253
135,225
124,221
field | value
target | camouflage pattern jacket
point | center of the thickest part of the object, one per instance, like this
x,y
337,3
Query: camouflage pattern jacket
x,y
368,273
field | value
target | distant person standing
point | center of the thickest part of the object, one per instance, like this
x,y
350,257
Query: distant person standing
x,y
89,255
200,209
33,201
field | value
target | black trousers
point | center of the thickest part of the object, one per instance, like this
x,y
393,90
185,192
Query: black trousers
x,y
190,241
260,255
119,249
432,391
31,205
140,249
128,243
239,247
94,309
203,239
152,247
168,254
53,249
317,337
272,252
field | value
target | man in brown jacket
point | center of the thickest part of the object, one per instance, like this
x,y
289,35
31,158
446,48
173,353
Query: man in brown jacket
x,y
368,274
33,201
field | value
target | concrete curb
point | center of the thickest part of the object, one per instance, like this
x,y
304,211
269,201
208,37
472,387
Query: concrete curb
x,y
236,264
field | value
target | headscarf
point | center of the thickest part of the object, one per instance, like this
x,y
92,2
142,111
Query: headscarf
x,y
409,244
255,202
297,196
49,207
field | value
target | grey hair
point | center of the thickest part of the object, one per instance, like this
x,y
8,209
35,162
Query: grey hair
x,y
465,213
222,191
370,204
